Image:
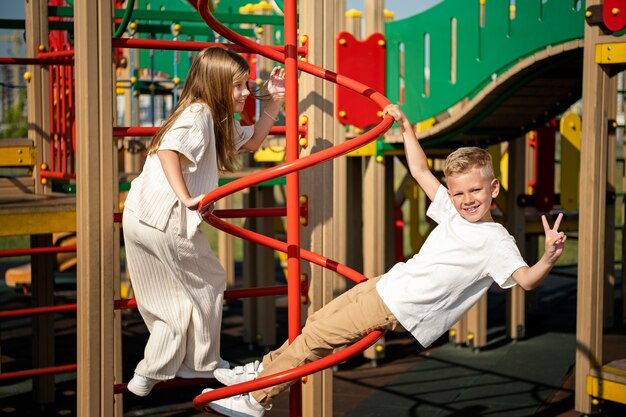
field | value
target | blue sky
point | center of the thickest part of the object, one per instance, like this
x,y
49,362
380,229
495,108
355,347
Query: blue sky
x,y
401,8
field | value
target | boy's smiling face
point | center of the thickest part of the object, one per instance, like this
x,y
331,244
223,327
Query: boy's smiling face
x,y
472,193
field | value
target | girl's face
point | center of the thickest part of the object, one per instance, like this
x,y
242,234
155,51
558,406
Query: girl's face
x,y
240,93
472,193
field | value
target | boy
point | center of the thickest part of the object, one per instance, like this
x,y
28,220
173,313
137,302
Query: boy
x,y
459,261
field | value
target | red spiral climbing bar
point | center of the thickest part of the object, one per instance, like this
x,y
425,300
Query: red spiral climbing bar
x,y
290,169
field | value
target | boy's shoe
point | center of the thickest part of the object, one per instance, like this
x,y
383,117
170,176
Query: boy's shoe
x,y
238,374
141,385
243,405
186,372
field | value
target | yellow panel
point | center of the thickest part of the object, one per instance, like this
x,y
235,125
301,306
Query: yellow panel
x,y
270,154
570,161
607,390
611,53
367,150
426,124
15,156
504,169
13,224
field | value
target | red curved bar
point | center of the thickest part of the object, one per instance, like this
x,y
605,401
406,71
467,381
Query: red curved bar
x,y
184,45
67,53
281,246
56,175
282,377
123,131
36,251
40,371
228,295
251,212
289,169
37,310
35,61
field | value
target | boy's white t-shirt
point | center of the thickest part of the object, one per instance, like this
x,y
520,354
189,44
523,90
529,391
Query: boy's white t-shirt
x,y
456,265
151,197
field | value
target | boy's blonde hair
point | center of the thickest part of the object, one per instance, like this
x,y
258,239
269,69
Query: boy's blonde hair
x,y
210,81
464,159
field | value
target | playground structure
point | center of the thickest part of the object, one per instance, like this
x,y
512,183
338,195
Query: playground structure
x,y
478,112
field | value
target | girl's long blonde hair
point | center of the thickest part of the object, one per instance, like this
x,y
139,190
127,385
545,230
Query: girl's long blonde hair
x,y
210,81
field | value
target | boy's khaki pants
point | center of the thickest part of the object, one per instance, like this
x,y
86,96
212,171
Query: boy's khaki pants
x,y
344,320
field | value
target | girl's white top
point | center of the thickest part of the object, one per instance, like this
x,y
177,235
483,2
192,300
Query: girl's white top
x,y
456,265
151,197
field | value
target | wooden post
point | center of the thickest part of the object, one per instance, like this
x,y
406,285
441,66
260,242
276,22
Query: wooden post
x,y
225,245
37,89
42,274
36,14
374,191
340,182
515,223
598,91
318,22
354,177
96,200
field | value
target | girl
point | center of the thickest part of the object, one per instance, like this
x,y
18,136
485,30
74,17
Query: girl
x,y
177,279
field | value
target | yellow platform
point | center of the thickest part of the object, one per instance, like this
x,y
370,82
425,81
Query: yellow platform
x,y
608,382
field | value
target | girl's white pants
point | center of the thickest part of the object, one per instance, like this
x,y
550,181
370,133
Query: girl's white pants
x,y
179,286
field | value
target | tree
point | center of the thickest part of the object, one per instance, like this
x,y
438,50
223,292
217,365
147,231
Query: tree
x,y
16,122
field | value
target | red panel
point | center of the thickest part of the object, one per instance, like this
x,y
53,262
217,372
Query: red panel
x,y
364,62
614,14
248,116
544,189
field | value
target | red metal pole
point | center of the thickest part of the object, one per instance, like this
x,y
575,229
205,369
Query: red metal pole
x,y
39,371
54,117
293,191
61,112
36,251
35,61
51,78
123,131
185,45
37,310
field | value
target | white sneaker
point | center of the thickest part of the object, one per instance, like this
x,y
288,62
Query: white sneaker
x,y
186,372
243,405
141,385
239,374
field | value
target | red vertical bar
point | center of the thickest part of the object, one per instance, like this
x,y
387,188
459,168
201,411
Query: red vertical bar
x,y
51,76
61,112
544,189
71,117
57,118
293,190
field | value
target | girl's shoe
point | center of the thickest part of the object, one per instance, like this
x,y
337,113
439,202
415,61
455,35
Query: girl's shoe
x,y
243,405
141,385
239,374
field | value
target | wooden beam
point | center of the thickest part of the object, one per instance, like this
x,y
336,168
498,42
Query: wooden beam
x,y
96,183
515,222
37,89
318,22
598,91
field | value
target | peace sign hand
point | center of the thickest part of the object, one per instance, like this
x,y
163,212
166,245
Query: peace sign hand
x,y
555,240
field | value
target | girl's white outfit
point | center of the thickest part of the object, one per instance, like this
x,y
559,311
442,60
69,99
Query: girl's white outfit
x,y
177,279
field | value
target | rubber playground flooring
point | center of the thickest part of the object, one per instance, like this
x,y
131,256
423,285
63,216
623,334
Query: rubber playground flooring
x,y
529,377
